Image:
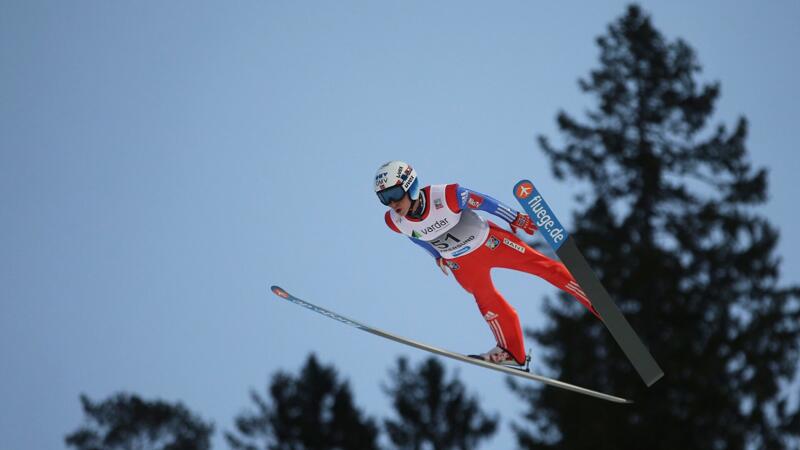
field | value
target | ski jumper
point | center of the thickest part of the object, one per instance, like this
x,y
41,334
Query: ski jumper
x,y
471,246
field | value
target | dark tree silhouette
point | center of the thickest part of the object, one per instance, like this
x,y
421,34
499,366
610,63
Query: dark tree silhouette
x,y
313,411
125,421
670,224
433,412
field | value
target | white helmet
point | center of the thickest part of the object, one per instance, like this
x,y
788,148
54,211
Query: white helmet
x,y
394,179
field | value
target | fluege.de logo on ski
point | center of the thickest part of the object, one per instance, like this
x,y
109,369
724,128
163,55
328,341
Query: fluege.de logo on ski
x,y
546,220
540,213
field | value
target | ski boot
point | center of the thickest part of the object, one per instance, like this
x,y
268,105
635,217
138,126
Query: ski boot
x,y
501,356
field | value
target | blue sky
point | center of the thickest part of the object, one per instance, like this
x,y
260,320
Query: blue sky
x,y
163,163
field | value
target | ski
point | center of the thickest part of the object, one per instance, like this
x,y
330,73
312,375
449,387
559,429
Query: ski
x,y
564,246
438,351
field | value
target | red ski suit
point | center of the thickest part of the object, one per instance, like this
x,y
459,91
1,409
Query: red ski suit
x,y
500,249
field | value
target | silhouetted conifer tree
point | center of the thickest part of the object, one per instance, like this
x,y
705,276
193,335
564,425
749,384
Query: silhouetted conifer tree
x,y
434,413
125,421
312,411
670,224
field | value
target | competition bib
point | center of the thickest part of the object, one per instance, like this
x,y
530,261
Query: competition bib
x,y
451,234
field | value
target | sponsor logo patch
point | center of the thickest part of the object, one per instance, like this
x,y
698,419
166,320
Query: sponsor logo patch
x,y
490,316
405,177
492,242
438,203
514,245
524,190
452,265
439,224
380,180
474,201
462,251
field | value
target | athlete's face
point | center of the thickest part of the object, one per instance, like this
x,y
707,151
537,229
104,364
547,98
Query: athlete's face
x,y
401,206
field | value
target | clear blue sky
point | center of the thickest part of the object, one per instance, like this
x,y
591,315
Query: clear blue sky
x,y
163,163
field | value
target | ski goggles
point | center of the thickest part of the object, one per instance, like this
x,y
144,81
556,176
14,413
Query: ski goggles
x,y
392,194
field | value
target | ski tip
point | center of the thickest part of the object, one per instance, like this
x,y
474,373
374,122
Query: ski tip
x,y
279,292
523,189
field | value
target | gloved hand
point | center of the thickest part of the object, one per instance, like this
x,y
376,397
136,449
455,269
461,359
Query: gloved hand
x,y
523,222
442,265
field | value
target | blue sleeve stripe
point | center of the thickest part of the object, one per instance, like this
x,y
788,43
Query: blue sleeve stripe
x,y
489,205
461,195
506,214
